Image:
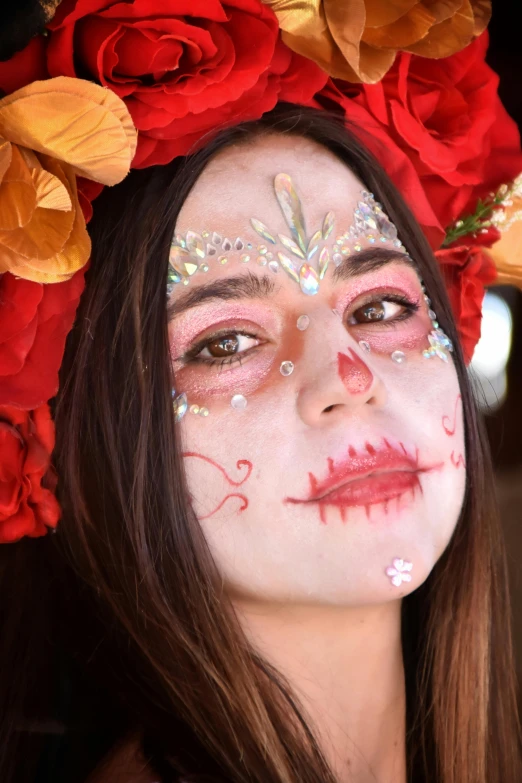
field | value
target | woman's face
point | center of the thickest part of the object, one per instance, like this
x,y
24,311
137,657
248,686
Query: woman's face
x,y
322,459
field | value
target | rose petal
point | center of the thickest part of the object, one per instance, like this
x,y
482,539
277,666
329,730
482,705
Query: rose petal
x,y
74,121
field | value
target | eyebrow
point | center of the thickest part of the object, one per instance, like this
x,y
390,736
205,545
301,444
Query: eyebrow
x,y
251,286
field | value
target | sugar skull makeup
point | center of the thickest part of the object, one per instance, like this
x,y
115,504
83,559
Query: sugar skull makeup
x,y
323,458
304,257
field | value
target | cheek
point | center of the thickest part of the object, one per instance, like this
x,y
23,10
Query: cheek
x,y
229,457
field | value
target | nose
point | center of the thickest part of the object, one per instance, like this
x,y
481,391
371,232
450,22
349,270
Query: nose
x,y
338,378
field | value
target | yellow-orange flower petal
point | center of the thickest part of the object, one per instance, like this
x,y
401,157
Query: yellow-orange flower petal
x,y
49,132
47,231
17,194
357,40
6,155
75,121
50,192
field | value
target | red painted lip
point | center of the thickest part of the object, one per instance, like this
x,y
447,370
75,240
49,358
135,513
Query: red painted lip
x,y
374,488
364,478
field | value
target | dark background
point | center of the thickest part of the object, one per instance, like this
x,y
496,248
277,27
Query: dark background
x,y
504,425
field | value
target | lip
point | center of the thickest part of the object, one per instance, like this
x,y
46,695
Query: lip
x,y
372,475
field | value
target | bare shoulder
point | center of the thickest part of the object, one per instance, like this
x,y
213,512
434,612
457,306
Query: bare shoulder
x,y
124,764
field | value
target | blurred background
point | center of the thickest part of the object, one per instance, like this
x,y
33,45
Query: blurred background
x,y
497,362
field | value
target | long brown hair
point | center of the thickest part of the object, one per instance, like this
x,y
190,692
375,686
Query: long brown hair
x,y
127,592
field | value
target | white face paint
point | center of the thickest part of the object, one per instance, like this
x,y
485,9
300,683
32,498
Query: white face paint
x,y
323,462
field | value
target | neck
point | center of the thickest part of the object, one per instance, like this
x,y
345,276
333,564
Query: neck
x,y
346,666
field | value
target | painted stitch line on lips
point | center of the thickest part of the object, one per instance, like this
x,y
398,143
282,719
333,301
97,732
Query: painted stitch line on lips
x,y
373,475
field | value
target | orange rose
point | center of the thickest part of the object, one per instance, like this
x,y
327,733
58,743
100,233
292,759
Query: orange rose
x,y
50,132
357,40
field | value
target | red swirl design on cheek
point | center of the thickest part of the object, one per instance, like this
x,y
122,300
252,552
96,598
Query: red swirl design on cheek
x,y
240,464
450,428
354,373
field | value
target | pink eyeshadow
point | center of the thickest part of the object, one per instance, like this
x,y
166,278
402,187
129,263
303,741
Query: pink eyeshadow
x,y
210,382
185,329
411,340
399,278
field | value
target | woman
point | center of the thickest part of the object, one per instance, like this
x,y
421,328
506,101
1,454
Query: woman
x,y
289,568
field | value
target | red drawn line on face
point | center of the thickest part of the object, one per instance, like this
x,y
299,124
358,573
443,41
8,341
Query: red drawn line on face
x,y
243,499
375,475
354,373
457,460
240,464
449,429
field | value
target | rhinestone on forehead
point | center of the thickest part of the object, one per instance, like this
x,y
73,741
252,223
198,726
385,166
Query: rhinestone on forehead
x,y
305,258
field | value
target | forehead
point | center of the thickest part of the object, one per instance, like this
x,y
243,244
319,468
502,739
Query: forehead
x,y
238,184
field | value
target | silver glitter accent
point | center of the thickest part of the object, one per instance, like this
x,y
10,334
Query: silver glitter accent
x,y
364,346
238,402
179,404
308,280
306,256
440,345
286,368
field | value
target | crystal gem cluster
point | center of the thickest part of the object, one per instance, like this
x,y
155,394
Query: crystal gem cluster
x,y
304,257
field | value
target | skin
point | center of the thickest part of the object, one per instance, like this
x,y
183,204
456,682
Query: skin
x,y
307,579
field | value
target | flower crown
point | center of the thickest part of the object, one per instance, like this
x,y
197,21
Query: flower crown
x,y
63,138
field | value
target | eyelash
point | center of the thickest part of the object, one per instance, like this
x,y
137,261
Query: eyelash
x,y
191,356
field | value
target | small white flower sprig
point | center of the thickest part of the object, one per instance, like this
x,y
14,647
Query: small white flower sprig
x,y
488,213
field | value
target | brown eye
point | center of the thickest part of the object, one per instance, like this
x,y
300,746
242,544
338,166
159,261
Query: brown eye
x,y
376,311
223,346
371,312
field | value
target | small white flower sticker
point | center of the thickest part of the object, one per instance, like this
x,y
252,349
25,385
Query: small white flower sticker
x,y
399,571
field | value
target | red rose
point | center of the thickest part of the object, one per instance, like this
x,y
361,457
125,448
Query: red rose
x,y
467,270
24,67
447,117
183,67
34,322
28,506
87,190
392,158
